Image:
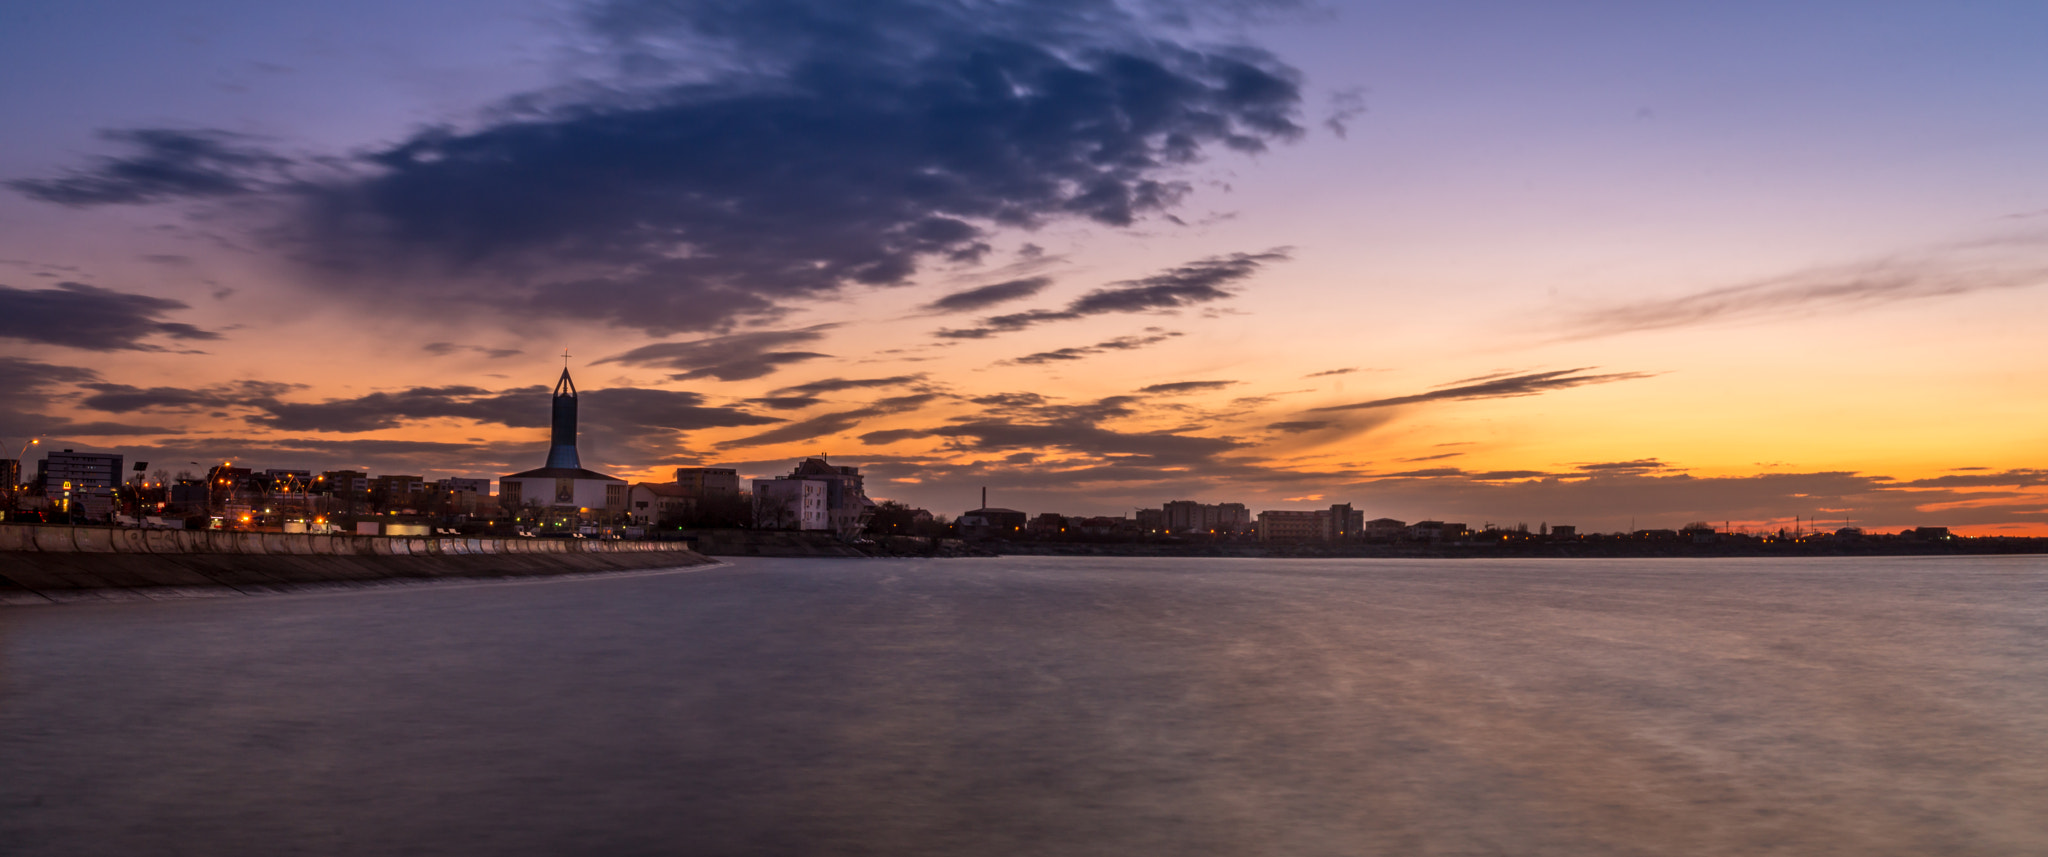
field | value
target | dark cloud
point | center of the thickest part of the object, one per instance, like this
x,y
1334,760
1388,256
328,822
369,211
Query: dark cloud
x,y
123,398
826,425
987,296
76,315
837,385
1644,465
618,408
1327,373
1529,384
1075,431
784,403
21,377
1437,457
112,429
1009,400
166,164
1121,343
739,357
29,388
756,154
1179,387
1194,283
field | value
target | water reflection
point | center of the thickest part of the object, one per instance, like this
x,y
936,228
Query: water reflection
x,y
1040,706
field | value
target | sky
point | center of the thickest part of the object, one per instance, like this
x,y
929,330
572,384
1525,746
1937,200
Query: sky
x,y
1613,265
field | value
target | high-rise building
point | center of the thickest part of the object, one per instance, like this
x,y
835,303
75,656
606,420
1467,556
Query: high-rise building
x,y
81,482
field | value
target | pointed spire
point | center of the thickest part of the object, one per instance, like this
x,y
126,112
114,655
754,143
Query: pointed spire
x,y
562,449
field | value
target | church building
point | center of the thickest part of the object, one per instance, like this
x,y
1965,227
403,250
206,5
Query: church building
x,y
562,485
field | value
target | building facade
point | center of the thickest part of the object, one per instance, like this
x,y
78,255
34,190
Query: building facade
x,y
791,504
82,483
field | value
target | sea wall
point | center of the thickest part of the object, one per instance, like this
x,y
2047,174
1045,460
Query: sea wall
x,y
54,563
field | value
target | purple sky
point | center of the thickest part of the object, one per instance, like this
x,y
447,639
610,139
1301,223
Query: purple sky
x,y
1565,262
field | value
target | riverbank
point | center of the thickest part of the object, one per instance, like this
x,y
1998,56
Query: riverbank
x,y
1523,550
51,564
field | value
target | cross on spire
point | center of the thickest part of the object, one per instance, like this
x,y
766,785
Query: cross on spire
x,y
565,358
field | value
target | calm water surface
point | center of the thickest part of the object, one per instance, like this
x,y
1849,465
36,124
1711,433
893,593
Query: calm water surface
x,y
1053,707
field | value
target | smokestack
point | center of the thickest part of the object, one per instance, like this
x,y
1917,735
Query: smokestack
x,y
984,496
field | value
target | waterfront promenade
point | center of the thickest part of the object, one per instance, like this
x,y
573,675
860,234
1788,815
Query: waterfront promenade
x,y
1042,706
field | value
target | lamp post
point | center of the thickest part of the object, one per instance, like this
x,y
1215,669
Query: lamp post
x,y
14,484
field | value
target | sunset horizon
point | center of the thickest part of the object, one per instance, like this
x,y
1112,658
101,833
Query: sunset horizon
x,y
1611,268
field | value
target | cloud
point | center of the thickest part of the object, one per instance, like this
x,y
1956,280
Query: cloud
x,y
1529,384
987,296
837,385
1644,465
745,157
1843,288
784,403
615,408
76,315
28,387
442,349
1345,106
1179,387
739,357
166,164
825,425
1295,426
1329,372
1197,282
1121,343
123,398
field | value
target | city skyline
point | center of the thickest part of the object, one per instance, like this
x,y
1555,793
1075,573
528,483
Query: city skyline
x,y
1585,264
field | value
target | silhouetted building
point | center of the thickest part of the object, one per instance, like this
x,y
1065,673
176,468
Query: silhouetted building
x,y
1188,516
80,482
563,484
709,481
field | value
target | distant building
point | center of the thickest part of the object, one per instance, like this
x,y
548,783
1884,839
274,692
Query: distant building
x,y
653,502
10,474
1564,532
847,505
1047,524
709,481
1188,516
1337,523
989,522
461,485
1291,526
563,485
81,482
1343,524
791,504
1384,529
399,491
1436,531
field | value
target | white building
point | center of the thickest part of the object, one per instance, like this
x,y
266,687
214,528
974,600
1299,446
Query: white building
x,y
791,504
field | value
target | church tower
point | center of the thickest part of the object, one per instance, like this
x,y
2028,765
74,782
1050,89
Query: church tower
x,y
562,485
563,451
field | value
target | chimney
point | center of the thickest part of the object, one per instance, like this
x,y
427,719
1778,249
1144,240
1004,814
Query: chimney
x,y
984,496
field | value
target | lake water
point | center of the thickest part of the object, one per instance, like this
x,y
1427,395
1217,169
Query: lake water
x,y
1053,707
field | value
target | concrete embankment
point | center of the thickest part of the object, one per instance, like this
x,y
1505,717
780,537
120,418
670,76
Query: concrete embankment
x,y
41,564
